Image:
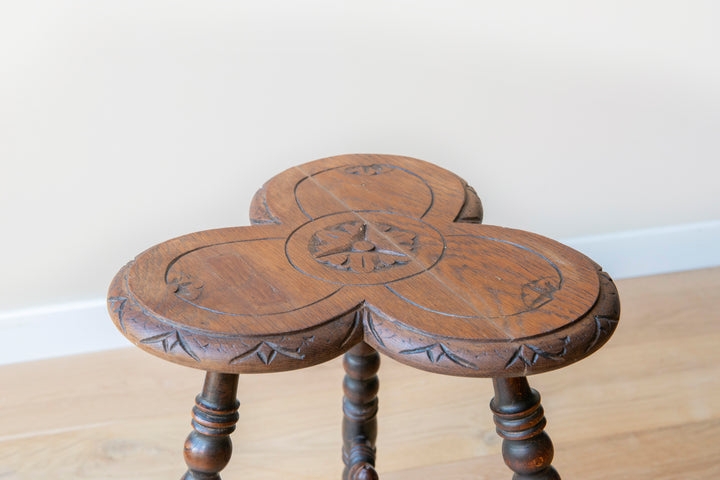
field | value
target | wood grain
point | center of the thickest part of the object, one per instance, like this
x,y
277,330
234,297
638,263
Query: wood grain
x,y
376,248
648,408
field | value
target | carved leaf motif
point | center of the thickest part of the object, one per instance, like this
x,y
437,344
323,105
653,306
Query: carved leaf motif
x,y
366,170
247,354
529,354
170,340
435,356
268,351
459,360
186,348
368,320
117,305
286,351
426,349
186,286
603,325
537,293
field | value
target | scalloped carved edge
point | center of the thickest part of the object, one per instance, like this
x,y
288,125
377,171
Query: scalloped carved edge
x,y
248,354
230,353
518,357
238,354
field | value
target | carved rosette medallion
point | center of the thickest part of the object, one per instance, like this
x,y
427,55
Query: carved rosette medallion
x,y
364,248
361,248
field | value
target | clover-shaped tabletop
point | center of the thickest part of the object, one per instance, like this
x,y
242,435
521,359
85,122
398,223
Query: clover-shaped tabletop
x,y
376,248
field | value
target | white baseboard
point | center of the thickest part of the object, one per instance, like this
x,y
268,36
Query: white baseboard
x,y
83,327
651,251
57,330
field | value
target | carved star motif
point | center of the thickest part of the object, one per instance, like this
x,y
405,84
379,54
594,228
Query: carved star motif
x,y
362,248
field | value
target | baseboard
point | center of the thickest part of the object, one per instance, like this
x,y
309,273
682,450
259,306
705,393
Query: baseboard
x,y
652,251
84,327
56,331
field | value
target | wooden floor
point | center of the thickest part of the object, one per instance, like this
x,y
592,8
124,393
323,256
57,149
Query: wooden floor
x,y
646,406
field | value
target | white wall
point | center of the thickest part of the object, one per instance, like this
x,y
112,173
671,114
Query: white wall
x,y
124,123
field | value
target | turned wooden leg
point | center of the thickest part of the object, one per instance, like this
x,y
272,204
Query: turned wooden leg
x,y
520,420
208,447
360,406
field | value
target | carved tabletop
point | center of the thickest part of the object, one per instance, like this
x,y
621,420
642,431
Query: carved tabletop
x,y
378,248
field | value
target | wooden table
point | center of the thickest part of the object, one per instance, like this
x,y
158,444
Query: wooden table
x,y
355,255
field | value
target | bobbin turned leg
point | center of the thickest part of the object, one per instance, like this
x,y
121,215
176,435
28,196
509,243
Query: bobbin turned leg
x,y
208,447
520,420
360,405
